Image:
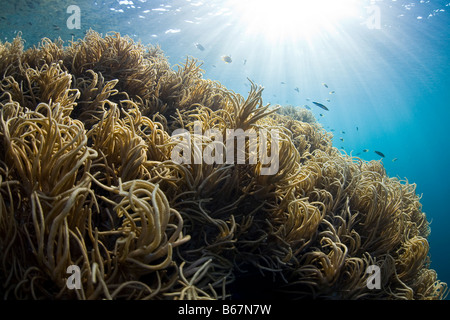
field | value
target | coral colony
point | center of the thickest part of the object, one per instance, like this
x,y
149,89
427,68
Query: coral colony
x,y
93,205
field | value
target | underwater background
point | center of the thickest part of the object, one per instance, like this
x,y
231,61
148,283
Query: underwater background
x,y
382,68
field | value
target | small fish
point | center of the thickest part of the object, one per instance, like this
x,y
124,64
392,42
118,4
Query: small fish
x,y
321,105
227,59
395,159
343,132
366,150
199,46
325,85
297,89
308,99
380,153
332,130
321,114
332,92
357,129
306,107
214,66
328,100
245,62
359,153
282,82
342,139
55,27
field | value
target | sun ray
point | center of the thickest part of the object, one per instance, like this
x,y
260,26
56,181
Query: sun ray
x,y
293,18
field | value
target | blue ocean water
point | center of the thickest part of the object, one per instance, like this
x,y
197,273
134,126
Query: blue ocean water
x,y
381,67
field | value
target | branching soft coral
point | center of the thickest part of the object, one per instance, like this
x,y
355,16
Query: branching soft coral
x,y
87,179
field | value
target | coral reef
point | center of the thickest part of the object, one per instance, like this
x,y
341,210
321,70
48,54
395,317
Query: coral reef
x,y
87,179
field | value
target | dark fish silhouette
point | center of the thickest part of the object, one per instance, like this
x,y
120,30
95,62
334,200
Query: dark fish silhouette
x,y
321,105
380,153
199,46
297,89
227,59
366,150
325,85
